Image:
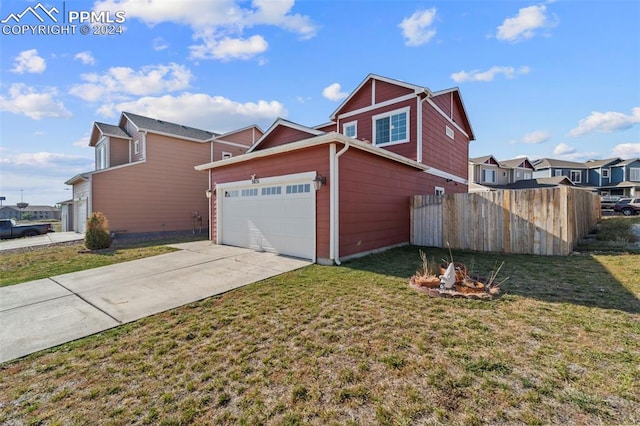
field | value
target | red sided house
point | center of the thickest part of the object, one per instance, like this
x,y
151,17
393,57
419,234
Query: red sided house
x,y
144,181
343,189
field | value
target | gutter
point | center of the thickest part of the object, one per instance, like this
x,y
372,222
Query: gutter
x,y
334,205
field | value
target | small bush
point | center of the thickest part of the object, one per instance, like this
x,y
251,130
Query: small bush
x,y
97,235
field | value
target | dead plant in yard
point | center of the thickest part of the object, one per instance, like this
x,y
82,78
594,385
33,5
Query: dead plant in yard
x,y
426,276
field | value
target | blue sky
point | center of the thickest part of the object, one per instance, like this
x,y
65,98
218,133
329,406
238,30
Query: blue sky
x,y
557,79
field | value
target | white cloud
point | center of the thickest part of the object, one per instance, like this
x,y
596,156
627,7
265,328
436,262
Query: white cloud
x,y
203,111
23,99
525,24
219,25
119,82
626,150
418,28
230,48
536,137
159,44
29,61
489,75
606,122
333,92
85,57
563,149
44,159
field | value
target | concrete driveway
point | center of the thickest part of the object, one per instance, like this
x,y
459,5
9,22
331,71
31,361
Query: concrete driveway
x,y
41,314
40,240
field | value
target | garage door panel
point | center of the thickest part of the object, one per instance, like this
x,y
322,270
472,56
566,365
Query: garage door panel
x,y
272,220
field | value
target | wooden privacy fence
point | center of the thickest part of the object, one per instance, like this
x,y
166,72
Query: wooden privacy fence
x,y
547,221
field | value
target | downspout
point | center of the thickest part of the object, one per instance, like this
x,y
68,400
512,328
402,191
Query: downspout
x,y
209,201
334,204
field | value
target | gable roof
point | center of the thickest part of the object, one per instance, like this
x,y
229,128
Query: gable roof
x,y
483,159
594,164
546,163
281,122
415,88
627,162
543,182
456,92
516,162
104,129
167,128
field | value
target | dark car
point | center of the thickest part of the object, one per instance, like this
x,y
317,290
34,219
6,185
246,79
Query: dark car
x,y
609,201
628,206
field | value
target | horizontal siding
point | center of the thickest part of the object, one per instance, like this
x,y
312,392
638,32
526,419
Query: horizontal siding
x,y
359,100
220,148
331,127
158,195
119,151
375,196
387,91
281,136
246,137
300,161
440,151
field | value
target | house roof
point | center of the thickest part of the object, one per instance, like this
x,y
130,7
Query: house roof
x,y
595,164
456,92
154,125
515,163
546,163
31,208
540,182
281,122
415,88
627,162
78,178
322,139
483,159
111,130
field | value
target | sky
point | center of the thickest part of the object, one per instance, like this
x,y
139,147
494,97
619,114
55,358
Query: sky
x,y
555,79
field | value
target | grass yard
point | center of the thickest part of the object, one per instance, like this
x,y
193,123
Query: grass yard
x,y
355,345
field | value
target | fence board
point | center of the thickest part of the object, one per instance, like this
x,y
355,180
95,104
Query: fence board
x,y
547,221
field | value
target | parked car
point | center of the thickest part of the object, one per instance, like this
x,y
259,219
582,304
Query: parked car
x,y
628,206
10,229
609,201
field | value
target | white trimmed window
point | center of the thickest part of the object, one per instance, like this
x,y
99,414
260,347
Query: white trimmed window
x,y
350,129
634,174
575,176
558,173
605,173
439,190
226,155
488,176
136,147
449,132
391,127
102,162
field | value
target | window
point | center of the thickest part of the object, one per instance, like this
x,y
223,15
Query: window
x,y
527,175
439,190
136,147
101,156
350,129
272,190
557,173
449,132
488,176
252,192
226,155
575,176
605,173
233,193
298,189
391,127
634,174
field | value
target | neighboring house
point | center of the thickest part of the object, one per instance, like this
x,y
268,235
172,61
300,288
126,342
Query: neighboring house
x,y
612,176
30,212
486,173
343,189
144,181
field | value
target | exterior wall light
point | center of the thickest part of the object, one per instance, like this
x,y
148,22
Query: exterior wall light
x,y
208,193
319,181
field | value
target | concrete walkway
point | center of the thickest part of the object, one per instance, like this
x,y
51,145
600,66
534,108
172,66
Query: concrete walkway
x,y
41,314
40,240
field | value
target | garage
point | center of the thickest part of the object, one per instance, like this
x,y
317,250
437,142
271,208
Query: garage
x,y
276,214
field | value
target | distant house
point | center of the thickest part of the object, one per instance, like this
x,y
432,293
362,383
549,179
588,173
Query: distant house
x,y
486,173
343,189
144,179
30,213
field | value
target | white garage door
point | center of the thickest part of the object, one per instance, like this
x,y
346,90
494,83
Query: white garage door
x,y
274,217
82,216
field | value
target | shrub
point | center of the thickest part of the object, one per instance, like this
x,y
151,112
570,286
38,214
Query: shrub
x,y
97,235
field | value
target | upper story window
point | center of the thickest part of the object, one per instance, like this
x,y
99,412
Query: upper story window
x,y
449,132
488,176
605,173
558,173
102,161
634,173
350,129
439,190
527,175
136,147
576,176
391,127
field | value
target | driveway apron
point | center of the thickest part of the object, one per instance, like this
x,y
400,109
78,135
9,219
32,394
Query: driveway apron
x,y
45,313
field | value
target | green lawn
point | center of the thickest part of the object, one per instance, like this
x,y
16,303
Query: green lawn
x,y
355,345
